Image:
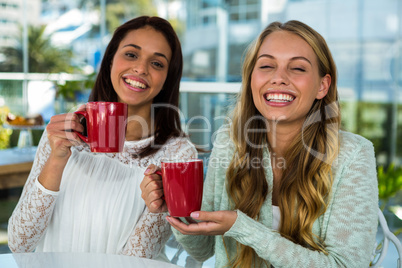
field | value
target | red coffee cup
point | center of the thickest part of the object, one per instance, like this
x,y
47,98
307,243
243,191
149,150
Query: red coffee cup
x,y
182,186
106,126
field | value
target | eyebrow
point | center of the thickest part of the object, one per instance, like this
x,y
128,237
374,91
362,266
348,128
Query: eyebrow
x,y
156,53
294,58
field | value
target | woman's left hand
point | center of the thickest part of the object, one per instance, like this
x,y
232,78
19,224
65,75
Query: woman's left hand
x,y
152,190
212,223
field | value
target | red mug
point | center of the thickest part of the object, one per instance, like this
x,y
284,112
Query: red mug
x,y
106,126
183,183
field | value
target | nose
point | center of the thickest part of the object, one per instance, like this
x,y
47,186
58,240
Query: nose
x,y
280,77
140,67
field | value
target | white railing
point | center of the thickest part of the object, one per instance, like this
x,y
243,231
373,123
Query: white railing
x,y
186,86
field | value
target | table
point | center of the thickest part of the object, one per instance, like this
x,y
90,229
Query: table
x,y
77,260
15,165
25,139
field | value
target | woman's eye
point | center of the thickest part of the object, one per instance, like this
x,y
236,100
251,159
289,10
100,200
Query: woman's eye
x,y
299,69
158,64
266,67
131,55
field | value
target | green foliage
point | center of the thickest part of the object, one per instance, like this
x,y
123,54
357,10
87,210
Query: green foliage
x,y
119,11
389,183
375,121
5,133
90,81
178,26
7,208
43,57
70,88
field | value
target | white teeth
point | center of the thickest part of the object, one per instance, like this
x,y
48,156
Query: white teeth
x,y
135,83
278,97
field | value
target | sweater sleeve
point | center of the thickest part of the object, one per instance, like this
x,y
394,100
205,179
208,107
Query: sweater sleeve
x,y
202,247
350,222
152,230
32,214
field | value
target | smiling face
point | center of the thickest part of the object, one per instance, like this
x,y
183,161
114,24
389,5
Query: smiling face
x,y
285,79
140,66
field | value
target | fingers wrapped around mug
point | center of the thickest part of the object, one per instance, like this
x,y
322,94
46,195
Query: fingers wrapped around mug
x,y
60,133
152,190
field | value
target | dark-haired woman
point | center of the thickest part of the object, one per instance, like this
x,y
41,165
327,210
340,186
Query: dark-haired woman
x,y
285,186
78,201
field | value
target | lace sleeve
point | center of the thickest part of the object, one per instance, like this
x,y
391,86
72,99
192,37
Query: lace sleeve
x,y
150,234
31,216
178,148
152,230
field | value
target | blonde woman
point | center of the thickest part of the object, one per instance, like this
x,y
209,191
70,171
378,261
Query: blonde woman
x,y
285,186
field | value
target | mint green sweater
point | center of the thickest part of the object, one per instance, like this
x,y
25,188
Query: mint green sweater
x,y
348,227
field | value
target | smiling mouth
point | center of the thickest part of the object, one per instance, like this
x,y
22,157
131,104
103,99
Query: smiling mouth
x,y
279,97
134,83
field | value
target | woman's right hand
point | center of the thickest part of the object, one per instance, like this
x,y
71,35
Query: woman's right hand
x,y
61,135
152,190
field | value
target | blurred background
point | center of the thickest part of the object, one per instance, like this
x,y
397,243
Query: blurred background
x,y
50,51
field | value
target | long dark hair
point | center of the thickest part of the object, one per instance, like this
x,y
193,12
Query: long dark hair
x,y
166,116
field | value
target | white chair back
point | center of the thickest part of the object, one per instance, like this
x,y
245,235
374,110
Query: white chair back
x,y
382,248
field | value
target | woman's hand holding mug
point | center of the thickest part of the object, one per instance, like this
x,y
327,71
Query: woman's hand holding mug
x,y
61,134
152,190
177,186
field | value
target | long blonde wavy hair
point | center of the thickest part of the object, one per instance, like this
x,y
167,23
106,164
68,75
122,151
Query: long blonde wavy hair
x,y
307,179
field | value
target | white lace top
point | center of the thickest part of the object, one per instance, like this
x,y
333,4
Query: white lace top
x,y
99,206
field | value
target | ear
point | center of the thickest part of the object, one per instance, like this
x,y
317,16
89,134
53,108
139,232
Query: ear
x,y
324,87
